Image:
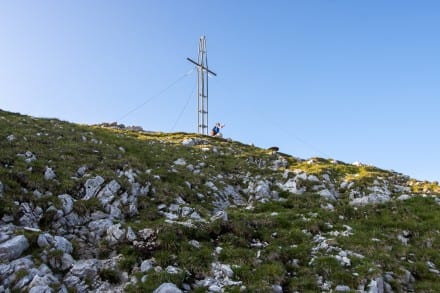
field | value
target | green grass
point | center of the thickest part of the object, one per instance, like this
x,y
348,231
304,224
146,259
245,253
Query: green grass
x,y
287,227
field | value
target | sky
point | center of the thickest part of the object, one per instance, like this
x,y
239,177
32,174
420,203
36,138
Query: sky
x,y
342,79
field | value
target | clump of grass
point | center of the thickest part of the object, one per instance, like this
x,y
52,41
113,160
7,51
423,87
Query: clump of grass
x,y
84,207
110,275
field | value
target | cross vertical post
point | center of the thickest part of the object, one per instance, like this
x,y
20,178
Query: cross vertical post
x,y
202,87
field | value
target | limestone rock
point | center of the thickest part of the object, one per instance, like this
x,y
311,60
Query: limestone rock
x,y
131,235
327,194
49,174
146,266
189,142
10,138
92,186
115,234
81,171
292,186
85,269
67,201
180,162
30,215
108,193
61,263
342,288
13,248
167,288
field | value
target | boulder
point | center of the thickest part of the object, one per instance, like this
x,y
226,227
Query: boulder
x,y
131,235
31,216
92,186
220,215
41,289
291,185
10,138
180,162
72,281
108,193
173,270
327,194
61,263
63,244
13,248
100,226
81,171
189,142
167,288
146,266
277,289
342,288
85,269
115,234
57,242
49,174
67,201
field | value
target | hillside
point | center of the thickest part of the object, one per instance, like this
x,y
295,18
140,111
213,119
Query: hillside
x,y
112,209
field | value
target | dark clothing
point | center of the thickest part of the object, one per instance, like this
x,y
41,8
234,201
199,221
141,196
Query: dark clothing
x,y
215,130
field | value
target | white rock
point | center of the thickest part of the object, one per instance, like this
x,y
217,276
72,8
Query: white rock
x,y
227,271
115,234
13,248
81,171
49,174
173,270
41,289
131,235
67,203
167,288
146,266
189,142
10,137
220,215
61,243
291,186
342,288
404,197
180,162
277,289
186,211
196,216
92,186
215,288
171,216
83,269
108,193
62,264
174,207
195,243
327,194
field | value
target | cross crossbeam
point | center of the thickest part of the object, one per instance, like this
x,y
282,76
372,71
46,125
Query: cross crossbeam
x,y
202,86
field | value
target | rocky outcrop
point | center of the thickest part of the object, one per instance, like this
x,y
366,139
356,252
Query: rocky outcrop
x,y
135,212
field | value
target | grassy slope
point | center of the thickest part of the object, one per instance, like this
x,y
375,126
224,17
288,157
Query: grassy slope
x,y
289,233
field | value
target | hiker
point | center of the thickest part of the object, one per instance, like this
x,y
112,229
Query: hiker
x,y
216,129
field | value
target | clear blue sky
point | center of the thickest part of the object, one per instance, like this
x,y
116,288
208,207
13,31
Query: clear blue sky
x,y
350,80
